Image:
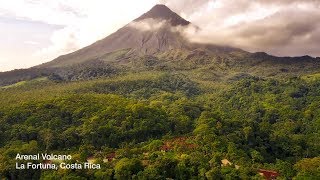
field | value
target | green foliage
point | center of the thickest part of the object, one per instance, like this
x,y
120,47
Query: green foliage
x,y
146,87
165,125
308,168
127,168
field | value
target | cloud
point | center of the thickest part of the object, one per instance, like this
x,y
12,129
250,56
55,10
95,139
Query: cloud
x,y
82,22
147,24
284,28
62,41
52,12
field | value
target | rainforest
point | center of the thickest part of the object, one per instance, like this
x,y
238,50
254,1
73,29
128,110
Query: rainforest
x,y
150,104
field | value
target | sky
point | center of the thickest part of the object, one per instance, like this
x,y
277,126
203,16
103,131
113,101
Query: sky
x,y
36,31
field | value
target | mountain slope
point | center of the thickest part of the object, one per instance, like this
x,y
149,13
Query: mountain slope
x,y
163,12
155,31
154,41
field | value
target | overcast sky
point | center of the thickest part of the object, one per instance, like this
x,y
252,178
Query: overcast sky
x,y
37,31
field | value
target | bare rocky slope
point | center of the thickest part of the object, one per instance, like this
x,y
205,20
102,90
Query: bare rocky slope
x,y
163,35
154,41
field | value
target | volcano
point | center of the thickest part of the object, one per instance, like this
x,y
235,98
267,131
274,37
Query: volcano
x,y
157,30
156,41
162,12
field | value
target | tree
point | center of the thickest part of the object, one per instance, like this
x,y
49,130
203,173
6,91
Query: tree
x,y
308,168
126,168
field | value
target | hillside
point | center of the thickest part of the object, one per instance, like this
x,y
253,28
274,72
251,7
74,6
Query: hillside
x,y
152,105
152,42
139,118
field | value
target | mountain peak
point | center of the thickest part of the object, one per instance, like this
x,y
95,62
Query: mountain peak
x,y
162,12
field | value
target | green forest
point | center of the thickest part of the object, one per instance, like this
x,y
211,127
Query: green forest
x,y
164,125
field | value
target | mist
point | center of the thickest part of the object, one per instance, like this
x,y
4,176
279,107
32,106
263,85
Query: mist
x,y
282,28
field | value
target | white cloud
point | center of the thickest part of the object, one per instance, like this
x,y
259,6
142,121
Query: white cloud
x,y
56,12
84,22
286,27
147,24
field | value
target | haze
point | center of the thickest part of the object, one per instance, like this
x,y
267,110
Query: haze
x,y
33,31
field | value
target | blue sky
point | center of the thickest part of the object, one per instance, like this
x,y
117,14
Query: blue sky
x,y
36,31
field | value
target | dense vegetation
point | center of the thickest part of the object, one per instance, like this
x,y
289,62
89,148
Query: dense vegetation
x,y
152,105
165,125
